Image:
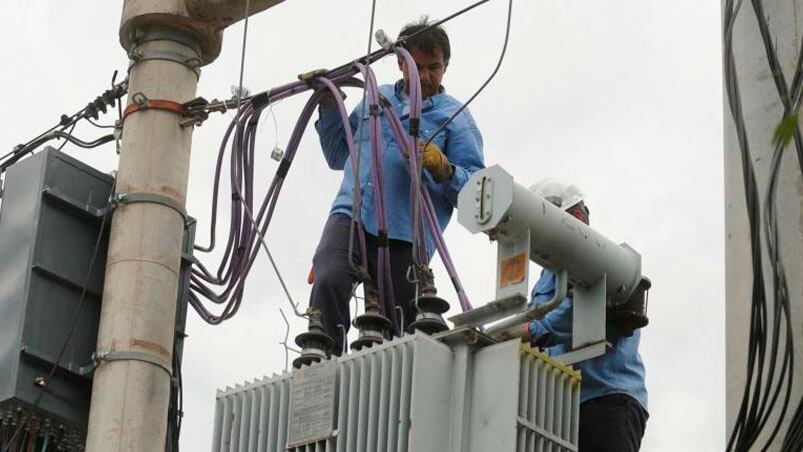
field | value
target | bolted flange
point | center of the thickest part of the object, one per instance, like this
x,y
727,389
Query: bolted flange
x,y
632,314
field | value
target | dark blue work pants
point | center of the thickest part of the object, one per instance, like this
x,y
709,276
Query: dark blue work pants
x,y
611,423
334,279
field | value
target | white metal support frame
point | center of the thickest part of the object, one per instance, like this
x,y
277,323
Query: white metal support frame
x,y
528,227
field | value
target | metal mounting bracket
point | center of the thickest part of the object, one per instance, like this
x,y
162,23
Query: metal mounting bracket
x,y
190,62
104,356
153,198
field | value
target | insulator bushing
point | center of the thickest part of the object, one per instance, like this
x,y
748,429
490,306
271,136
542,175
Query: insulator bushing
x,y
429,318
315,344
372,326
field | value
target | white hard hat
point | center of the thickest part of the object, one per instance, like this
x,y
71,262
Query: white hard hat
x,y
559,193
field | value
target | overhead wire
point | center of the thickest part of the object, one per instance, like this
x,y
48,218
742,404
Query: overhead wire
x,y
487,81
109,97
242,54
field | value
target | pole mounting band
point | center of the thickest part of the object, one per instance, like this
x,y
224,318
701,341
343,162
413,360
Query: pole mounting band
x,y
153,198
104,356
192,63
143,103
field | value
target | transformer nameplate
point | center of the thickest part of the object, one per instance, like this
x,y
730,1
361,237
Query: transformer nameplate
x,y
312,404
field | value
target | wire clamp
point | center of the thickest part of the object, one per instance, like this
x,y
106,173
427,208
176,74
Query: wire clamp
x,y
100,357
415,127
153,198
196,112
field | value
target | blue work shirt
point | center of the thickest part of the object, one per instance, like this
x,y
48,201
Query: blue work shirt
x,y
619,371
460,141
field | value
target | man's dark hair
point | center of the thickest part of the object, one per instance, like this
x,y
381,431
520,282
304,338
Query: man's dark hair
x,y
429,41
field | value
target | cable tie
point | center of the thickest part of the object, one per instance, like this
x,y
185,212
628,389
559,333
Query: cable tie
x,y
456,283
382,239
284,165
373,110
260,100
415,126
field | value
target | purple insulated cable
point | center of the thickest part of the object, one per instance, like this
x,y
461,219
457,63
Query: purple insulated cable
x,y
341,107
384,281
429,211
245,255
415,99
270,202
242,246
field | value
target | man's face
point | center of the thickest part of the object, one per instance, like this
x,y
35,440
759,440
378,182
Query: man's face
x,y
430,70
579,211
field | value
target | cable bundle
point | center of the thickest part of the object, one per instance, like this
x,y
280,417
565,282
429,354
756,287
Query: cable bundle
x,y
770,361
248,227
110,97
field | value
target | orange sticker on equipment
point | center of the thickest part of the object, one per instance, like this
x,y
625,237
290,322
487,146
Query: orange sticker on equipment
x,y
514,269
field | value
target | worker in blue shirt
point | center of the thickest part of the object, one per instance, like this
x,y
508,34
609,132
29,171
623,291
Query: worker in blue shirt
x,y
453,155
613,396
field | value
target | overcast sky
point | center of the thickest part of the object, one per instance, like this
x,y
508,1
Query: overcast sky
x,y
621,97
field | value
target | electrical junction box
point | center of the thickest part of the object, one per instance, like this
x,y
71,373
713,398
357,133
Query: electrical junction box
x,y
51,213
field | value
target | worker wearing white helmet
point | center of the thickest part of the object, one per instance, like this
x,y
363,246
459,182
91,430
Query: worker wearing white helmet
x,y
613,396
566,196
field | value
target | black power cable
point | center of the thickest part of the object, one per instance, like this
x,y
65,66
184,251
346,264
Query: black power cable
x,y
347,68
763,386
110,97
487,81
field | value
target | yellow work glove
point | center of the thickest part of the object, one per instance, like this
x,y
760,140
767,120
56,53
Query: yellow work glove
x,y
328,99
436,162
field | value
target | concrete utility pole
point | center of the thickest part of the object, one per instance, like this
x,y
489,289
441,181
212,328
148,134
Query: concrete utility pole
x,y
762,110
168,41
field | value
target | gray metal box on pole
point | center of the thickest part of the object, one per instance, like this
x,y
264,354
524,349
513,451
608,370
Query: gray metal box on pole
x,y
51,214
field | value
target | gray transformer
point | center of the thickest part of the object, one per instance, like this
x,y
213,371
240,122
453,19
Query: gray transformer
x,y
456,392
51,213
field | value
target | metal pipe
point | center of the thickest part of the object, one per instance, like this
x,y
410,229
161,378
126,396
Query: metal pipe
x,y
507,329
492,202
